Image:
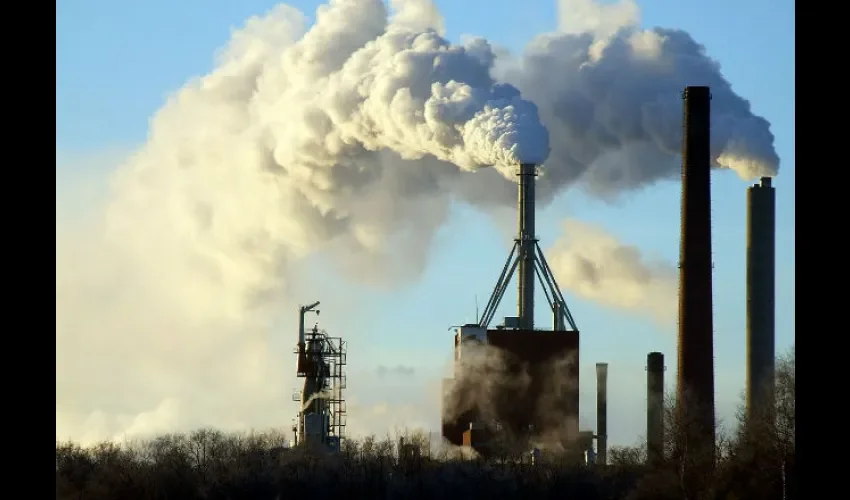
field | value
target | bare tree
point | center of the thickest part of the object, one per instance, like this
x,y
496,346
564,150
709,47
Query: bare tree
x,y
757,461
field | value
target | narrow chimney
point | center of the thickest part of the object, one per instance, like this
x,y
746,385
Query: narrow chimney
x,y
602,413
695,394
761,309
526,237
654,408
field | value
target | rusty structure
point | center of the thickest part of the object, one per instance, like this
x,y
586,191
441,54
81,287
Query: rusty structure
x,y
655,408
545,405
761,296
602,413
695,391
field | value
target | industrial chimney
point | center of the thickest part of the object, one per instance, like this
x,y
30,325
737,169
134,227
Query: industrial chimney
x,y
526,242
602,413
654,408
695,392
761,257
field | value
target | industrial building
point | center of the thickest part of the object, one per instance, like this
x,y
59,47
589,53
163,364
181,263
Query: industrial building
x,y
518,383
544,409
523,410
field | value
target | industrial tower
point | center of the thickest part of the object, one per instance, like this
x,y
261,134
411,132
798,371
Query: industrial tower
x,y
321,363
761,298
695,395
528,350
528,257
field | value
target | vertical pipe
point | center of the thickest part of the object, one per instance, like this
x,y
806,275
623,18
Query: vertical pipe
x,y
558,316
602,413
300,366
655,408
695,392
761,309
525,280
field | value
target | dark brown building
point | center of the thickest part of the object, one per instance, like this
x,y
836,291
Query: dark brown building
x,y
545,404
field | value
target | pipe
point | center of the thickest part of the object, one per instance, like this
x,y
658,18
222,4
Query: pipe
x,y
695,391
602,413
301,365
761,291
654,408
526,240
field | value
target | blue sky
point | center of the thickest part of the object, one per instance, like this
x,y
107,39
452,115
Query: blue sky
x,y
118,61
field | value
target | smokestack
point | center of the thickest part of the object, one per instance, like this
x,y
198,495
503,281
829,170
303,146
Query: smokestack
x,y
526,240
695,392
602,413
761,310
654,408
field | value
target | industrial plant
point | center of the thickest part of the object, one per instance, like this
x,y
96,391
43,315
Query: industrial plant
x,y
321,361
535,411
517,383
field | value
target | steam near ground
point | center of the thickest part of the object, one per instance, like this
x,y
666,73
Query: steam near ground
x,y
344,141
485,382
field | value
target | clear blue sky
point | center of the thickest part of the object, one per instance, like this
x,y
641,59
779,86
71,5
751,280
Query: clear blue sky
x,y
117,62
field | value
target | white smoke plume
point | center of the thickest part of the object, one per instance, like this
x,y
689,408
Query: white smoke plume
x,y
595,265
343,142
494,385
609,93
481,380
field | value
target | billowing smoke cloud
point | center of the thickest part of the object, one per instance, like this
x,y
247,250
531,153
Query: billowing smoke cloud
x,y
610,95
593,264
341,143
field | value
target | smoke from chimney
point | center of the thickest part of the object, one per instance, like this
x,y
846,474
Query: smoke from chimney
x,y
594,265
345,141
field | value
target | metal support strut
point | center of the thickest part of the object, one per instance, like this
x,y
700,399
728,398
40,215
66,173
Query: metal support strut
x,y
527,255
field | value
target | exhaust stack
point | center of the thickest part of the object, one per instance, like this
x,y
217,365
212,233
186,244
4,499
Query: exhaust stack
x,y
654,408
526,242
602,413
761,309
695,394
301,365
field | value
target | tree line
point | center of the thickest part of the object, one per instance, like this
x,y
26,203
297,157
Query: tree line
x,y
755,460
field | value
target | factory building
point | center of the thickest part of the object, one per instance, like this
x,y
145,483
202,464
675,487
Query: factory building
x,y
518,400
546,403
535,395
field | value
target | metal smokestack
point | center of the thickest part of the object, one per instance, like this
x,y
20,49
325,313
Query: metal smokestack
x,y
602,413
695,392
527,242
655,408
761,309
301,365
